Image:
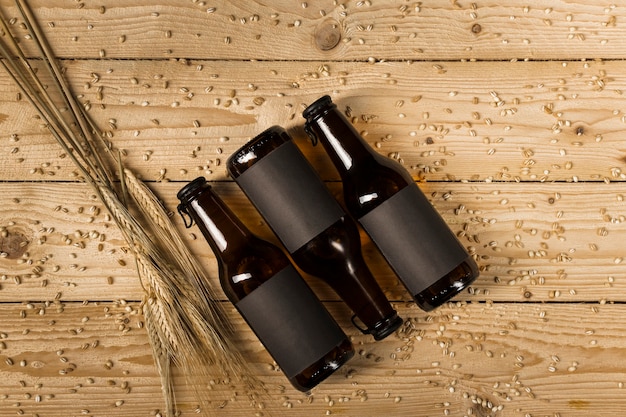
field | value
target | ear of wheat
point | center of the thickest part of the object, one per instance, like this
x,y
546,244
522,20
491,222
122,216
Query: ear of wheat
x,y
183,316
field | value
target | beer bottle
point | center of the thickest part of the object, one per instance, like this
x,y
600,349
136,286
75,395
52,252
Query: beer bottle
x,y
321,238
381,194
258,278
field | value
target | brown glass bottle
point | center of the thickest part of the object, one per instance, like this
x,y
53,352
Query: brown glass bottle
x,y
379,192
321,238
258,278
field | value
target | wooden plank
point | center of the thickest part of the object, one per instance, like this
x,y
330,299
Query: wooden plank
x,y
55,234
526,121
516,155
285,30
74,359
544,245
511,359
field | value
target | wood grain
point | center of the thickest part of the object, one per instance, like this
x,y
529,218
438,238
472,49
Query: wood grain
x,y
508,358
356,30
481,121
510,115
547,245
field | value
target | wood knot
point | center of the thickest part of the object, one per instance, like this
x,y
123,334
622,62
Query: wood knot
x,y
13,244
476,28
328,35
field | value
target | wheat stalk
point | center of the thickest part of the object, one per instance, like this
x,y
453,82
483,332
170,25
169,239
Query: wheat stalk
x,y
161,357
184,321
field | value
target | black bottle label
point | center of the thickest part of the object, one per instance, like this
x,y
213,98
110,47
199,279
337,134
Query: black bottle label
x,y
290,321
415,240
290,196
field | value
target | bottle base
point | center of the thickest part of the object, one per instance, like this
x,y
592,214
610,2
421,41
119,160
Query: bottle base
x,y
325,367
449,286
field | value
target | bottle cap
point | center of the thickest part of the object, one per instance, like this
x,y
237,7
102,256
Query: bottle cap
x,y
383,328
188,191
317,107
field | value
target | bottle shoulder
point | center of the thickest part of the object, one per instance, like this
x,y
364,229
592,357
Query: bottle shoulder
x,y
370,184
249,266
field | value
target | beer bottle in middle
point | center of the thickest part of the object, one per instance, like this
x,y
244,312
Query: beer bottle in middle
x,y
321,238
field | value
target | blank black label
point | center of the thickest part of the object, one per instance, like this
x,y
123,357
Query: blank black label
x,y
290,196
415,240
290,321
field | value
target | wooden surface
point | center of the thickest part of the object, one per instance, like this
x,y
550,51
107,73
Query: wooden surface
x,y
511,116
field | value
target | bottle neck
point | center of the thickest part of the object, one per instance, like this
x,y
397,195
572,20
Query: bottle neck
x,y
342,142
223,230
